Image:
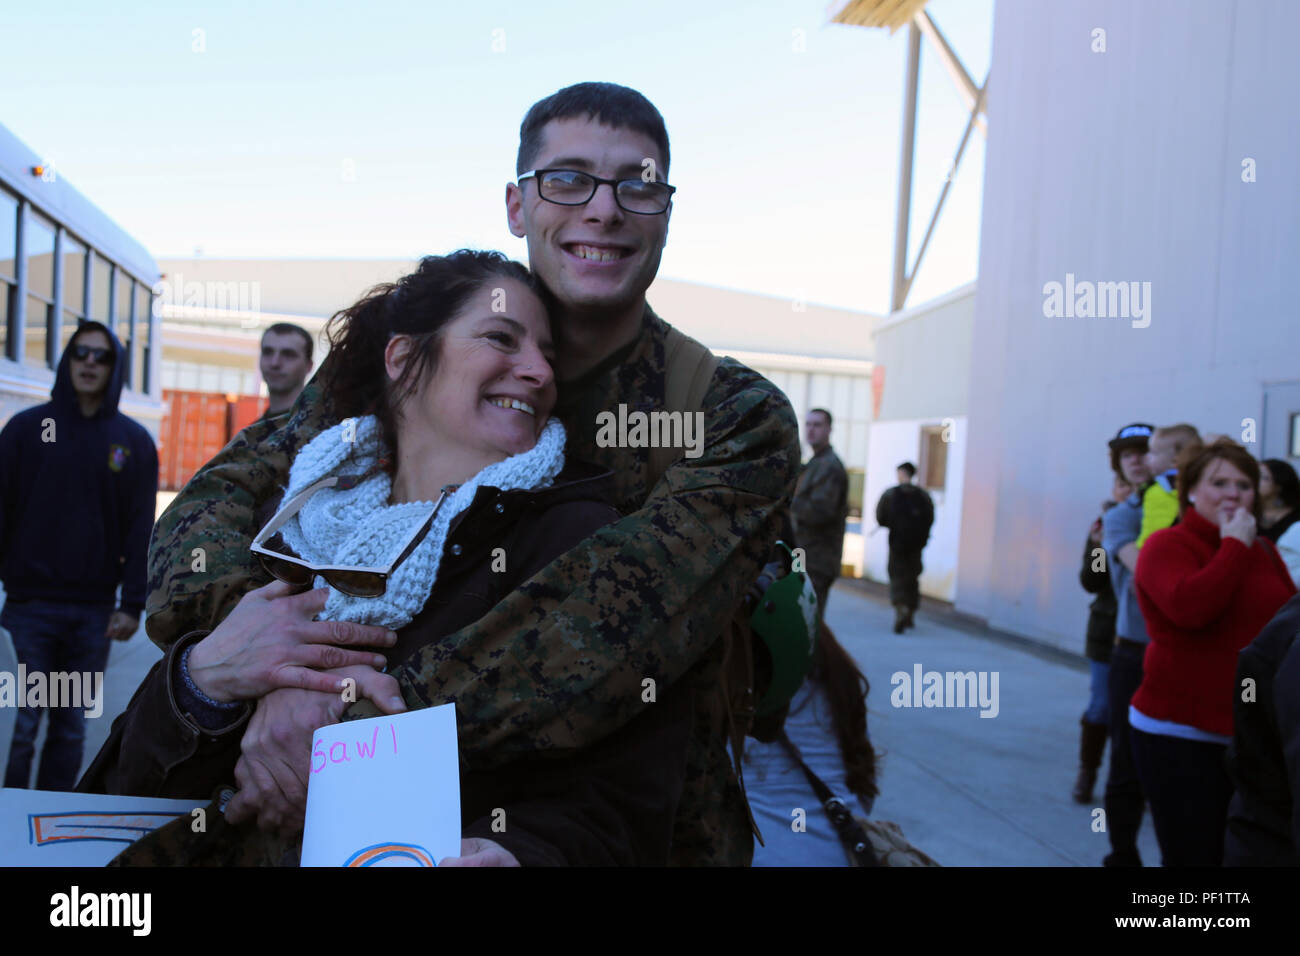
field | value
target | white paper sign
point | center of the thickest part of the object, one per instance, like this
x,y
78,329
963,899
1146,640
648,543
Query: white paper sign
x,y
384,791
49,828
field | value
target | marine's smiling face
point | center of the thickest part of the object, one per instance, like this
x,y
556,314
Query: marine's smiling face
x,y
596,256
493,389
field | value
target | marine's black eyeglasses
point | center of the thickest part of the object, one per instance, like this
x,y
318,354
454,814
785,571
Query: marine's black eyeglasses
x,y
358,582
99,356
571,187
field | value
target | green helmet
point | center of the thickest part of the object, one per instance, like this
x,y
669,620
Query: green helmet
x,y
785,618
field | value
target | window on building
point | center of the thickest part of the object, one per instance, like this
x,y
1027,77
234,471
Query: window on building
x,y
38,247
35,332
74,278
6,315
123,287
140,333
932,465
8,267
101,275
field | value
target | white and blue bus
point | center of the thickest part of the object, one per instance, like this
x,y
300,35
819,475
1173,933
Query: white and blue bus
x,y
62,262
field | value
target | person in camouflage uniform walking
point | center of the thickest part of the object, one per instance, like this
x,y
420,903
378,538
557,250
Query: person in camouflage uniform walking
x,y
563,661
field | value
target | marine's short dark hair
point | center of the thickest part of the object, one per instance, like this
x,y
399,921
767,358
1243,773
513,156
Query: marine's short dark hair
x,y
821,411
908,467
607,103
286,328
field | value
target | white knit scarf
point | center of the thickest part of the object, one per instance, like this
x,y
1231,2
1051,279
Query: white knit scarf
x,y
359,528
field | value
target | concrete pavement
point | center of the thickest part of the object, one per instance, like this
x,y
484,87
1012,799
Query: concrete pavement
x,y
971,790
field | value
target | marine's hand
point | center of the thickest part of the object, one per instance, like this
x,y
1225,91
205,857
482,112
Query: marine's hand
x,y
479,852
275,756
121,626
271,641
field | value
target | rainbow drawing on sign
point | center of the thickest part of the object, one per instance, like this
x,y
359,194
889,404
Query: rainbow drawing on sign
x,y
103,826
391,854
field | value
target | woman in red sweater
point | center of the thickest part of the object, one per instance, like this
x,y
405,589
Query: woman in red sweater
x,y
1206,587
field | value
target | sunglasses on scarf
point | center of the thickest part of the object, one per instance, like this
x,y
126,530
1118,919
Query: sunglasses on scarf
x,y
354,581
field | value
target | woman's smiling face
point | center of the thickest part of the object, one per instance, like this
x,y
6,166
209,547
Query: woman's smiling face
x,y
1222,489
494,387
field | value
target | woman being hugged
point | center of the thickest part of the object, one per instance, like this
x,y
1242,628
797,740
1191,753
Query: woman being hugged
x,y
1206,587
443,488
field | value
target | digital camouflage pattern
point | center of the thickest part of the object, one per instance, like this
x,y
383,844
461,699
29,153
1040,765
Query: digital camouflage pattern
x,y
561,662
819,508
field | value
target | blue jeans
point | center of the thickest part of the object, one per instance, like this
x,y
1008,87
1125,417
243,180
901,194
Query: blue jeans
x,y
1098,711
50,638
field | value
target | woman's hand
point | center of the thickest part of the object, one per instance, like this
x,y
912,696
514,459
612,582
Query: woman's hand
x,y
480,852
270,641
1240,526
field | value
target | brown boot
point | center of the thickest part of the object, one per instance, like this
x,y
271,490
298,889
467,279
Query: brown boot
x,y
1092,741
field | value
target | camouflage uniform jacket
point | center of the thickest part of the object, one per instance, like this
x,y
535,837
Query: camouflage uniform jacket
x,y
562,661
819,508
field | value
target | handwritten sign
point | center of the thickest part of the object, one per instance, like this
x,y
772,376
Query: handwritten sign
x,y
384,791
53,828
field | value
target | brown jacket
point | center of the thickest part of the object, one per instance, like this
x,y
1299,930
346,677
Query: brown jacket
x,y
610,803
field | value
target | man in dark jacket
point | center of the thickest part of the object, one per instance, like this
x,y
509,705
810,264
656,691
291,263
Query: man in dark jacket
x,y
908,512
78,485
820,506
1264,758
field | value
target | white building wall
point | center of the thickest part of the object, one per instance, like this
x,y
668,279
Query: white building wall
x,y
895,442
1123,165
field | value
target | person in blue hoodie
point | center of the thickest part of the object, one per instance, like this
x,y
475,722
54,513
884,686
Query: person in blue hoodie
x,y
78,484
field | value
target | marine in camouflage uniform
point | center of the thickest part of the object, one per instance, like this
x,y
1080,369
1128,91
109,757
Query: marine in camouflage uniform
x,y
819,508
560,663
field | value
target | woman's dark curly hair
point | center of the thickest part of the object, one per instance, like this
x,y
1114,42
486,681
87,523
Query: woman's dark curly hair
x,y
420,305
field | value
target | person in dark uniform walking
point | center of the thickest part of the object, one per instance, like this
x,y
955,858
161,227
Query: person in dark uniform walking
x,y
908,512
820,506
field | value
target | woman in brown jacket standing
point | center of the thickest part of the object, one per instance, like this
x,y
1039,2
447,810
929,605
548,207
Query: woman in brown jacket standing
x,y
444,487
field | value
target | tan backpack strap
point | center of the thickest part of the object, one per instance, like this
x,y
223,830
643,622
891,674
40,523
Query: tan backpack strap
x,y
688,371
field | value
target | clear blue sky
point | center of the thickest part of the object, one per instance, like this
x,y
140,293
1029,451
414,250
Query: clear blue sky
x,y
786,162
